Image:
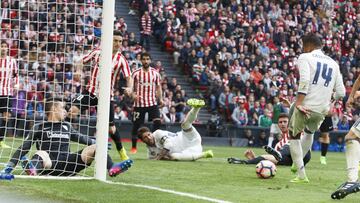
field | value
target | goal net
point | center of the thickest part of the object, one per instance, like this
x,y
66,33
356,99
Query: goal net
x,y
43,43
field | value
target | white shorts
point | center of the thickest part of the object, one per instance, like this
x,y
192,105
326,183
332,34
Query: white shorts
x,y
274,129
191,141
356,128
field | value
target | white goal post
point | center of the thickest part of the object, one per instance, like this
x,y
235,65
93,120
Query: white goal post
x,y
104,88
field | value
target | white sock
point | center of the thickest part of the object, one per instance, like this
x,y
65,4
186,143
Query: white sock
x,y
297,157
306,142
190,118
187,156
271,139
352,159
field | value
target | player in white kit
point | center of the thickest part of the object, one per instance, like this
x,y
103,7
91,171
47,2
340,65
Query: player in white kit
x,y
352,140
319,77
184,145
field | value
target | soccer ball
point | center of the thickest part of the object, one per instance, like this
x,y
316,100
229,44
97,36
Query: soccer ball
x,y
265,169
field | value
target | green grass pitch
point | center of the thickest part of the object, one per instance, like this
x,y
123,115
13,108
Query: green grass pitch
x,y
213,178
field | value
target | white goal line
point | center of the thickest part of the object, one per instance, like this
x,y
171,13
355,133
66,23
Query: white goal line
x,y
184,194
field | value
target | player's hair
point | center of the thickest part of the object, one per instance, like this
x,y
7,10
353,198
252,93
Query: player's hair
x,y
117,33
50,102
312,39
141,131
283,115
145,54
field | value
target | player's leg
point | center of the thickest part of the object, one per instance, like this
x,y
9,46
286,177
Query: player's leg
x,y
324,138
352,154
39,162
86,156
154,116
312,124
191,156
115,134
138,121
5,106
196,104
296,126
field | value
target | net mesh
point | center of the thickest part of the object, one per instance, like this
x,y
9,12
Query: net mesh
x,y
47,39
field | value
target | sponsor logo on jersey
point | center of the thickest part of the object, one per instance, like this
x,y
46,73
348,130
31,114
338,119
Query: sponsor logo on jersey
x,y
57,135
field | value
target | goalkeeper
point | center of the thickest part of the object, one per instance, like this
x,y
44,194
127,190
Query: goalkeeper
x,y
53,156
181,146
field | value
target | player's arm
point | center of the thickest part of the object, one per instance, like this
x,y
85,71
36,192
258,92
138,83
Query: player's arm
x,y
355,88
15,74
91,55
75,136
163,155
304,84
125,68
339,87
159,90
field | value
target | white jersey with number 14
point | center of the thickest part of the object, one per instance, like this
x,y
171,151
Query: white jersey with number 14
x,y
319,77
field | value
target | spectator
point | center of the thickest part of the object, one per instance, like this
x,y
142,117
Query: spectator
x,y
262,141
250,138
240,115
145,30
265,119
226,102
343,124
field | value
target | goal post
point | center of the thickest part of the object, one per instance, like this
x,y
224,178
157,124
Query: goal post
x,y
104,88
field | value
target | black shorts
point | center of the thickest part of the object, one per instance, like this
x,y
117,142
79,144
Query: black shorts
x,y
66,165
5,103
286,156
86,99
139,113
326,125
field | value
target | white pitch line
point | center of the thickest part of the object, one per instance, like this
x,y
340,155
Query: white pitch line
x,y
185,194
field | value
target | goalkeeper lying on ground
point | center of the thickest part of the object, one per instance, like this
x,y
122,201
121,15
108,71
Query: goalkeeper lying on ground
x,y
53,156
181,146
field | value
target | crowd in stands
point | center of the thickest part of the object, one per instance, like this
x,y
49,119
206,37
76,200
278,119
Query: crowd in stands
x,y
243,53
240,54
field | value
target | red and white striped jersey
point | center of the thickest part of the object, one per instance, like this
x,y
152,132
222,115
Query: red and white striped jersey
x,y
284,140
145,83
8,75
119,64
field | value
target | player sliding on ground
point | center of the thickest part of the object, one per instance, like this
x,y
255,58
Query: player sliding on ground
x,y
280,155
53,156
181,146
352,140
319,78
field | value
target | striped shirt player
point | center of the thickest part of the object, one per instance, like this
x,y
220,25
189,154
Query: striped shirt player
x,y
89,96
147,90
119,62
8,81
145,86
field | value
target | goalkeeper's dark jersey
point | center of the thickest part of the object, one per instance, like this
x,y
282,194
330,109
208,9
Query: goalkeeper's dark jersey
x,y
52,137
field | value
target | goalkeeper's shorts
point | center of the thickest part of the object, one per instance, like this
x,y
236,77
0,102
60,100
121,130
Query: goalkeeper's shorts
x,y
66,165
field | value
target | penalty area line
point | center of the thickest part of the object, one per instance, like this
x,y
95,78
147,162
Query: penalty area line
x,y
184,194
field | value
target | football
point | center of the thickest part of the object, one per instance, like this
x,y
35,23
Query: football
x,y
265,169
